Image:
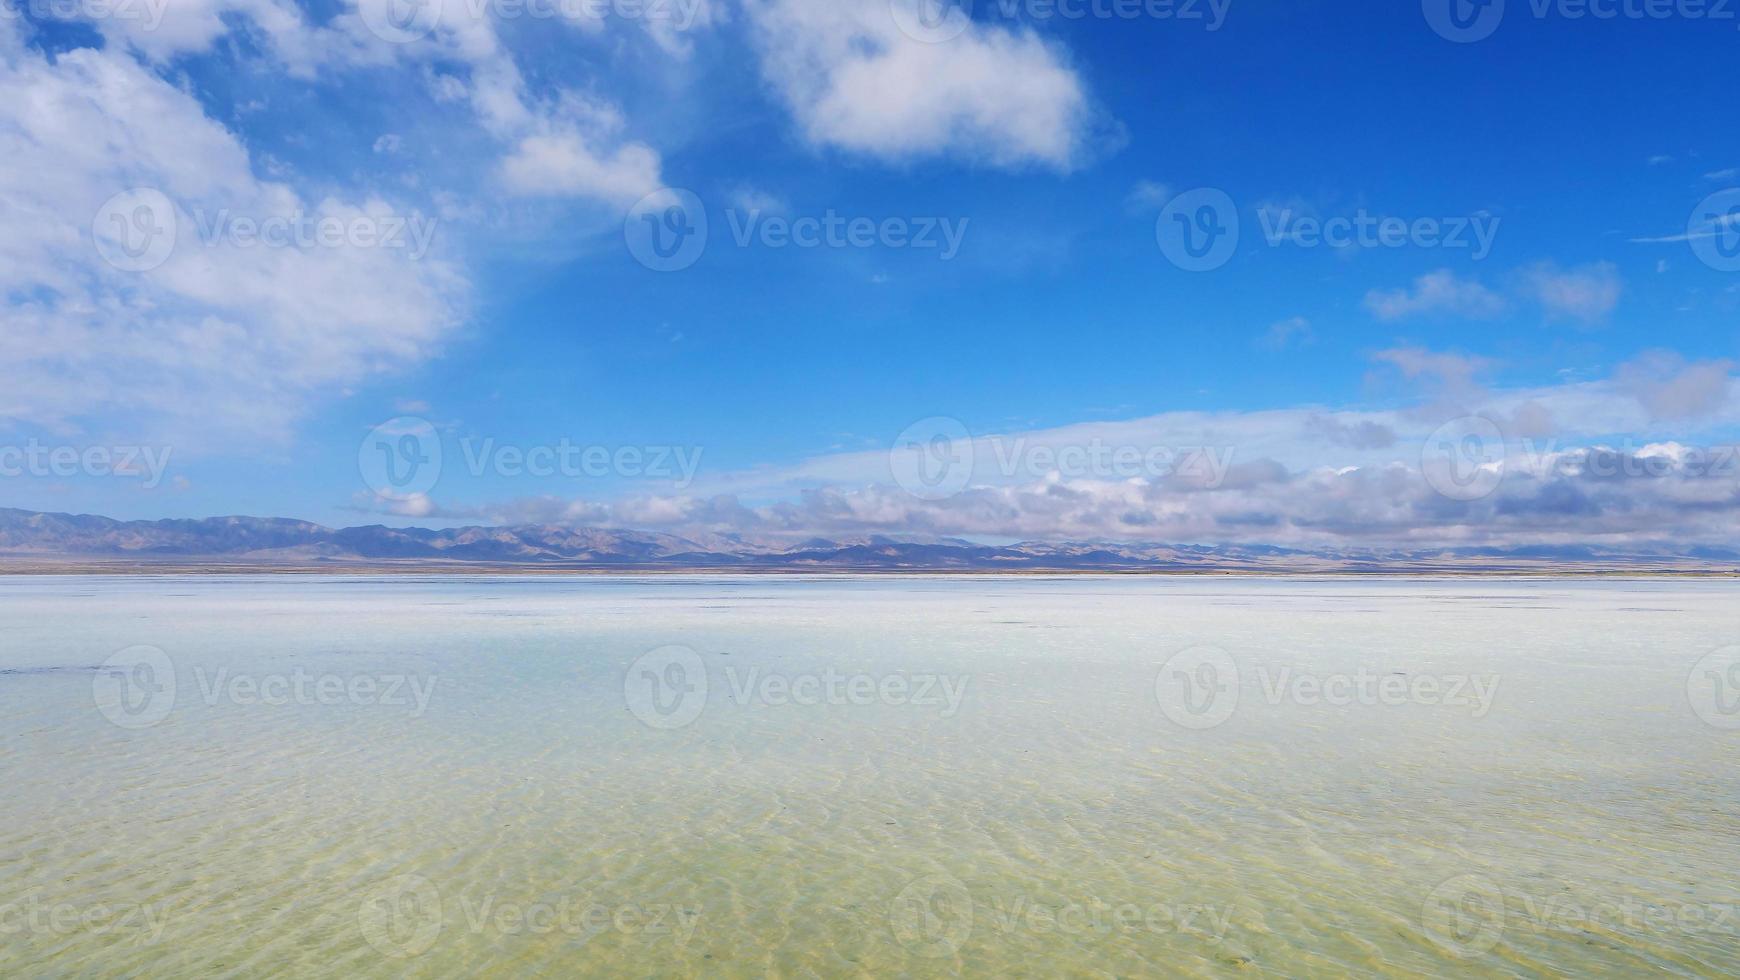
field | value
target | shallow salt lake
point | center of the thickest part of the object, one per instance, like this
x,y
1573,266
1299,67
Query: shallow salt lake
x,y
923,776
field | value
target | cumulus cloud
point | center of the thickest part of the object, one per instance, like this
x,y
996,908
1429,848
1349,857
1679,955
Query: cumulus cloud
x,y
1147,195
222,339
566,145
1291,332
1670,387
1587,294
1354,434
1440,292
561,163
1450,379
854,80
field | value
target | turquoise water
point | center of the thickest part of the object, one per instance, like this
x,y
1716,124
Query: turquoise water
x,y
658,776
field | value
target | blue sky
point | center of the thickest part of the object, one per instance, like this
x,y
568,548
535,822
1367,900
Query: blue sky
x,y
531,149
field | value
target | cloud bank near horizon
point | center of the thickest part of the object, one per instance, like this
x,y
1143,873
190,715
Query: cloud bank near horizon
x,y
1645,455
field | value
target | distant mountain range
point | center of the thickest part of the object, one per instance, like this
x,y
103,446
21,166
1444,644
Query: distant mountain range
x,y
37,540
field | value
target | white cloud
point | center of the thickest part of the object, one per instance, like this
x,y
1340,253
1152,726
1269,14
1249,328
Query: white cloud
x,y
561,163
1670,387
1147,195
1305,476
1291,332
1588,293
566,145
1440,292
749,199
853,80
223,340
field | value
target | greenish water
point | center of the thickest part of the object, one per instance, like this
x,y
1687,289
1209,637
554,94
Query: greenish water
x,y
675,776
